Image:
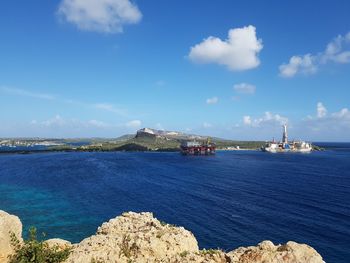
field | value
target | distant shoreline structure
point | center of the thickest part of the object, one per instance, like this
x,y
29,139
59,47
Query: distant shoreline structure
x,y
145,140
286,146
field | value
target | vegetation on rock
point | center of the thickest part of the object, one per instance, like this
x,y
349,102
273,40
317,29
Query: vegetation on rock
x,y
33,250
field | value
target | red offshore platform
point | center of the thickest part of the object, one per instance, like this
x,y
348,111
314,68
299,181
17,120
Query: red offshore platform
x,y
198,148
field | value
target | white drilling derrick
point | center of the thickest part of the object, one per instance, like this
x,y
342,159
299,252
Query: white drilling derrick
x,y
285,134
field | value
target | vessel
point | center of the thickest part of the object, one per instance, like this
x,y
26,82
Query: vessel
x,y
285,146
198,148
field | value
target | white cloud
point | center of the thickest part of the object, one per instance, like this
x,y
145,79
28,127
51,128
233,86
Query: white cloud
x,y
321,110
268,119
25,93
337,51
238,52
327,126
212,100
56,121
247,120
322,126
342,114
244,88
133,124
106,16
299,64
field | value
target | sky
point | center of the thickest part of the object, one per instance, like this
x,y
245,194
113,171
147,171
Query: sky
x,y
232,69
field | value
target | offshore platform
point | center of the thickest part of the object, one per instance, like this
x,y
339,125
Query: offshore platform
x,y
198,148
286,146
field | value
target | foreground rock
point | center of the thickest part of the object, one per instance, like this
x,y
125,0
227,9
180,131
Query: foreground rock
x,y
141,238
61,244
8,224
134,237
267,252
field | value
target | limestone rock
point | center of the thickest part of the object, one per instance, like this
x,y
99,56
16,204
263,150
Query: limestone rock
x,y
134,237
8,224
267,252
203,256
57,242
141,238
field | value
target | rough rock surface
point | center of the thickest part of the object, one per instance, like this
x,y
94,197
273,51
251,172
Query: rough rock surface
x,y
134,237
8,223
141,238
61,244
267,252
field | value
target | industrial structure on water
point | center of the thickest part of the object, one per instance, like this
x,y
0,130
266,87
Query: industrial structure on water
x,y
285,146
198,148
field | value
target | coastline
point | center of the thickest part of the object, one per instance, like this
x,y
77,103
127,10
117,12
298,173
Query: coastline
x,y
111,151
141,149
140,237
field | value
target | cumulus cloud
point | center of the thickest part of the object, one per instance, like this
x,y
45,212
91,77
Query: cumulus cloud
x,y
268,118
306,64
247,120
321,110
328,126
56,121
323,125
342,114
337,51
133,124
212,100
244,88
238,52
107,16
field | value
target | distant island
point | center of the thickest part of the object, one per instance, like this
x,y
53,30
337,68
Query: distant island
x,y
145,139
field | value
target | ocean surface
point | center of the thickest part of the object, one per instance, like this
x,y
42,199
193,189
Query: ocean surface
x,y
236,198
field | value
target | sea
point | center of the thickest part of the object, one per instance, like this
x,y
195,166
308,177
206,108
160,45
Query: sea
x,y
232,199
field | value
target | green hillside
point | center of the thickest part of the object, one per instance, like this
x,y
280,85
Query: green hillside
x,y
151,142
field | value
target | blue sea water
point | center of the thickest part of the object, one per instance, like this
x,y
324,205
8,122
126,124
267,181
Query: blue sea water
x,y
233,199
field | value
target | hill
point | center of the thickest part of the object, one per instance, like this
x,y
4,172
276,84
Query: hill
x,y
148,139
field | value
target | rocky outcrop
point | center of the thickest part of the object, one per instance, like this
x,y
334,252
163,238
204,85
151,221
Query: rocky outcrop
x,y
61,244
141,238
137,237
266,251
8,224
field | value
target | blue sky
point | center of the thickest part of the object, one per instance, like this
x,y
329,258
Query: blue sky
x,y
234,69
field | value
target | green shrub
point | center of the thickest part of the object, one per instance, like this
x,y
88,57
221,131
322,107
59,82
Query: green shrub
x,y
35,251
184,253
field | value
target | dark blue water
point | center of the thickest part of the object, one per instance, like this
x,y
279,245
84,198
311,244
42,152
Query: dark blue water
x,y
22,148
232,199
